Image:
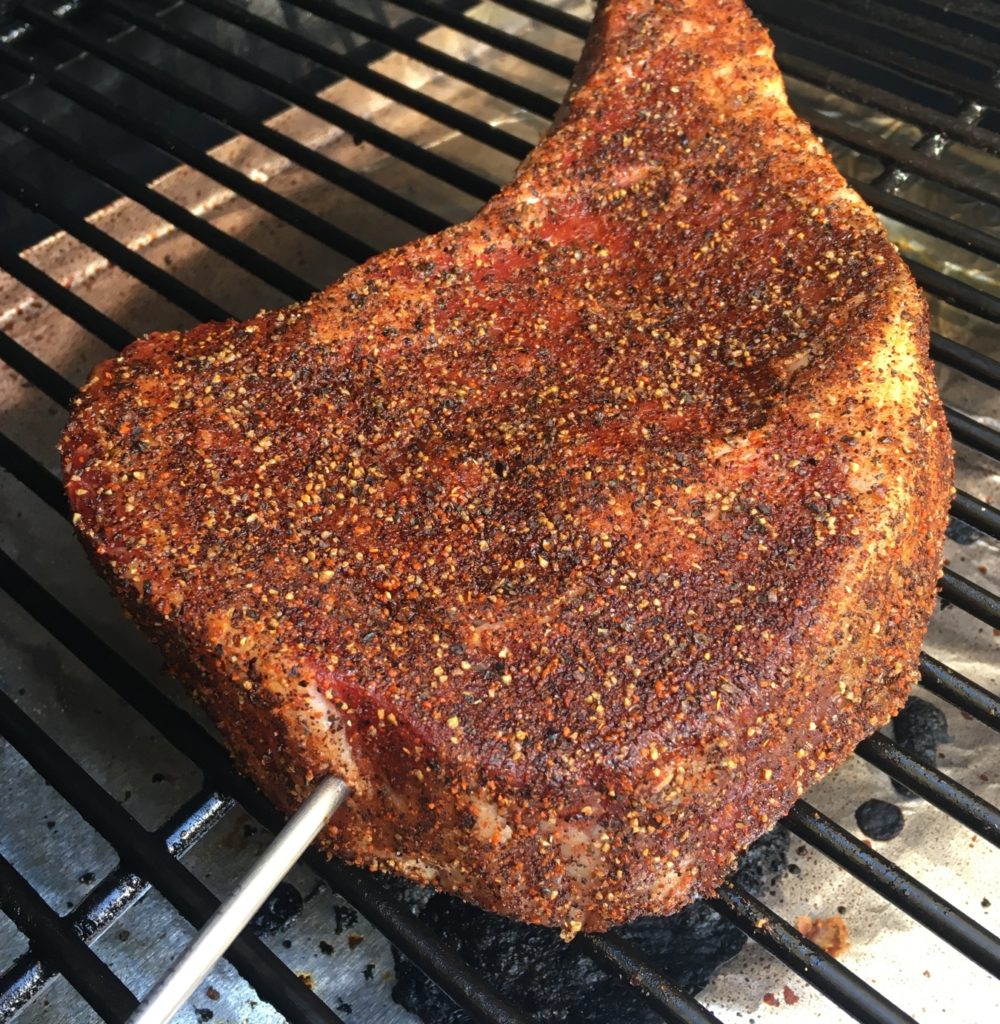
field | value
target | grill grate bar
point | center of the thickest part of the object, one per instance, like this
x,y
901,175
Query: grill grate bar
x,y
789,44
970,597
93,652
898,153
781,940
934,786
31,368
148,855
960,691
106,901
33,475
486,81
976,15
622,957
204,103
906,892
912,26
547,15
172,289
66,301
938,224
291,213
403,149
539,56
973,433
983,517
452,117
812,20
226,245
976,364
958,293
421,944
54,938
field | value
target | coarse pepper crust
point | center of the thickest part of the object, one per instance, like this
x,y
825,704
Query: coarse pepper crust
x,y
579,538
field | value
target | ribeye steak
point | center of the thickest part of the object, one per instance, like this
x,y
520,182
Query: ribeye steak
x,y
579,538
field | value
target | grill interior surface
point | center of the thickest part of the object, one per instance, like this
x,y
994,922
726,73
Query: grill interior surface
x,y
165,163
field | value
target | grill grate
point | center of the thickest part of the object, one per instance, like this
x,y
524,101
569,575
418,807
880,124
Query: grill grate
x,y
935,67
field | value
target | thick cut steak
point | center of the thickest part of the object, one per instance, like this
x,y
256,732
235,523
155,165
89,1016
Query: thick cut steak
x,y
579,538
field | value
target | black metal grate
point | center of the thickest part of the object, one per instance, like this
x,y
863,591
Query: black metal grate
x,y
932,65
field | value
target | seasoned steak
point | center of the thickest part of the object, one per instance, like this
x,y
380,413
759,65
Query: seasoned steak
x,y
579,538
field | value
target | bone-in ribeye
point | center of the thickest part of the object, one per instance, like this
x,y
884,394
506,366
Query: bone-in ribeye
x,y
579,538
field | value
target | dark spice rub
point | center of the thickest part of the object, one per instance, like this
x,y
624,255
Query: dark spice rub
x,y
579,538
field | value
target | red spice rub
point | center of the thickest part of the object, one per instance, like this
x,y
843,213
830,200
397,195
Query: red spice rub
x,y
580,538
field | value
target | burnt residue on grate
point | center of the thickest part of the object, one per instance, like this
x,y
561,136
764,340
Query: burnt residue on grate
x,y
278,910
879,819
962,533
919,729
559,985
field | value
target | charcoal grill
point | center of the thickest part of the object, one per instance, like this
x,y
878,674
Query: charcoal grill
x,y
164,163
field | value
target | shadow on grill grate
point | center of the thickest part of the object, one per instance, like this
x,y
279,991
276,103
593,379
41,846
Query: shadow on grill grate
x,y
169,163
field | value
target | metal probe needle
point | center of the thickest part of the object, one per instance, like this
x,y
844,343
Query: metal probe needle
x,y
173,989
